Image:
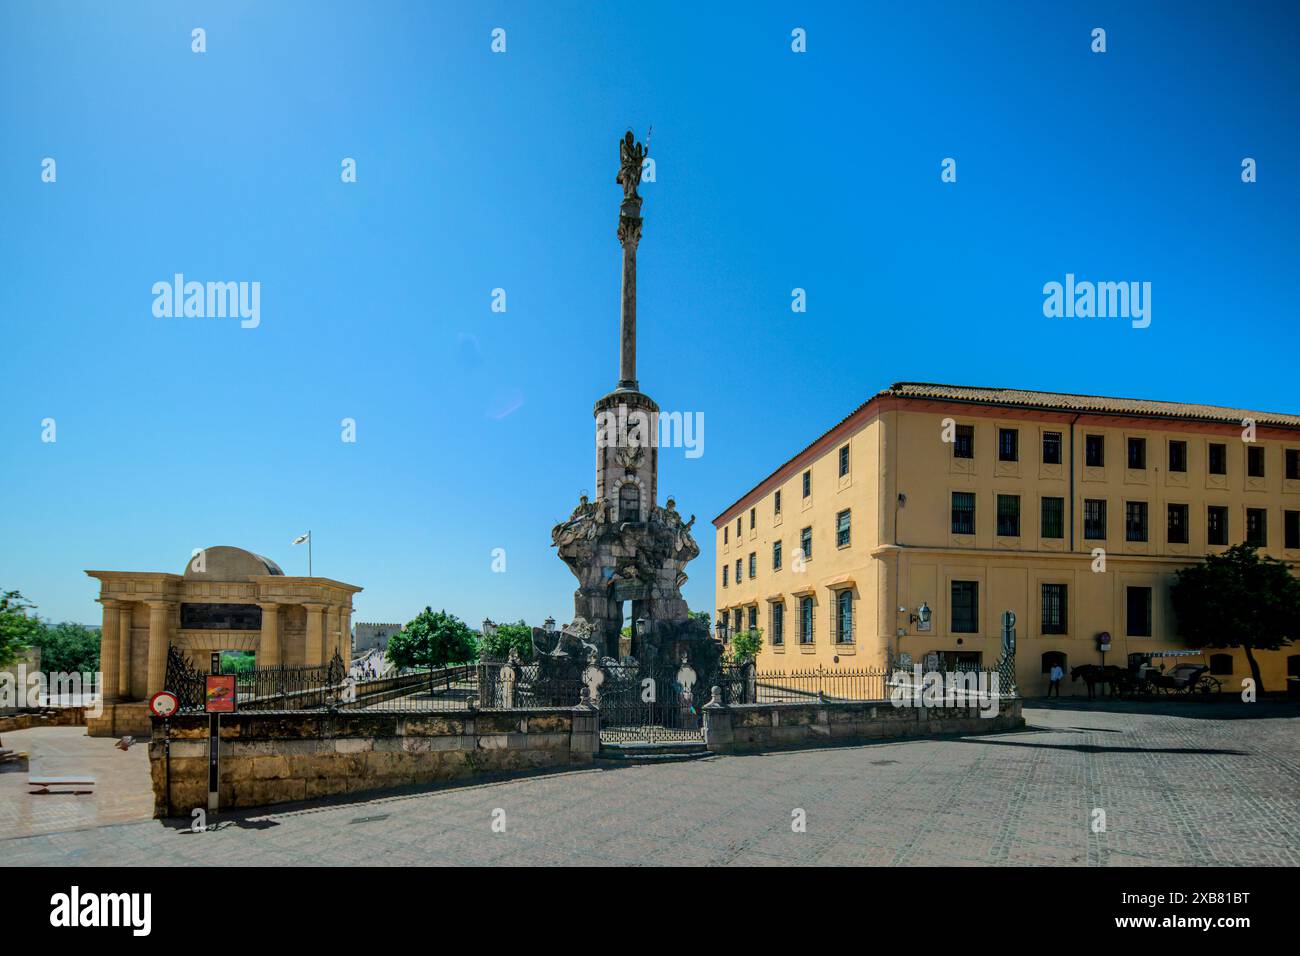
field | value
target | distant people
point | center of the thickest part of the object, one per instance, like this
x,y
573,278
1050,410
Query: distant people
x,y
1055,680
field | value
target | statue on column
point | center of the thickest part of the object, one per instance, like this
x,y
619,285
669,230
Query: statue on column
x,y
631,157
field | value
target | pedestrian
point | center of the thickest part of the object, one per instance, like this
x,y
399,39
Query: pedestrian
x,y
1057,673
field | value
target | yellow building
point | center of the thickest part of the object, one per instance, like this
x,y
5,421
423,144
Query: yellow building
x,y
910,526
227,599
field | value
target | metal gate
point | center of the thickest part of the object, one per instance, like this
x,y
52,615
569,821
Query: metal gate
x,y
646,705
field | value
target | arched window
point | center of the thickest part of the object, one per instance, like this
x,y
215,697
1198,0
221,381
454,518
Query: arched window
x,y
844,617
1220,663
1053,659
629,502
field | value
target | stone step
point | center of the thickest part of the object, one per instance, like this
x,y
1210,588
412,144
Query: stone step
x,y
665,751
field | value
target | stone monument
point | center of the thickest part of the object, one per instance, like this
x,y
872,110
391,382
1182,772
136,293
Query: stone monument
x,y
621,545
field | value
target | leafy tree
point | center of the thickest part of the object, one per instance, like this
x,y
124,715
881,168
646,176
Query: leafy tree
x,y
519,636
745,645
433,639
68,648
18,630
1238,599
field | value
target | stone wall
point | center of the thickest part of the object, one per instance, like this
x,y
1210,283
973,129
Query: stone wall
x,y
282,757
743,727
50,717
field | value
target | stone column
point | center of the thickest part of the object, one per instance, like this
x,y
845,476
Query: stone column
x,y
629,236
125,611
332,632
268,649
315,635
109,659
159,638
345,633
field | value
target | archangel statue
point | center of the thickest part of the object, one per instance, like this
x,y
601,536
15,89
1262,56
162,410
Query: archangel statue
x,y
631,157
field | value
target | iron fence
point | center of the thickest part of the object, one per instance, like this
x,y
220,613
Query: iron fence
x,y
794,686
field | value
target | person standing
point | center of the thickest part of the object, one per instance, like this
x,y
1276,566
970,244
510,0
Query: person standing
x,y
1055,677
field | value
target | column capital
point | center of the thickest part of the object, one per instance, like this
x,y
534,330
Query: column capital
x,y
314,606
116,603
272,606
157,605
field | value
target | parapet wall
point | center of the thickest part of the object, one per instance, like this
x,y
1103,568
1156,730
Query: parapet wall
x,y
741,727
282,757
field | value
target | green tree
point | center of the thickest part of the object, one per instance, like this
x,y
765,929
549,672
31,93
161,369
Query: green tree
x,y
1238,599
746,644
68,648
519,636
433,639
18,630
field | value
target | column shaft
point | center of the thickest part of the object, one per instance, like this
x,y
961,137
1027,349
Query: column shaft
x,y
159,639
315,634
109,653
124,615
268,651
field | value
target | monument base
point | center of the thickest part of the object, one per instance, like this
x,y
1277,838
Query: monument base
x,y
129,718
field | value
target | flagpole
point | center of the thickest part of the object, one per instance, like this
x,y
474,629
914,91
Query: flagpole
x,y
309,553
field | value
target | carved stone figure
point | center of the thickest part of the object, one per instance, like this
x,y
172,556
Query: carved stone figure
x,y
631,157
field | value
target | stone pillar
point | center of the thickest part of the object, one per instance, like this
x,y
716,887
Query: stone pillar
x,y
125,611
268,648
332,645
719,736
109,659
629,236
315,635
159,638
345,633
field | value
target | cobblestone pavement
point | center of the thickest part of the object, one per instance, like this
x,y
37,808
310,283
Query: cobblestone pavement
x,y
1189,785
121,782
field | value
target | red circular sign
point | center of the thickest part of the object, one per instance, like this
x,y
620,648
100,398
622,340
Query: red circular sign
x,y
164,704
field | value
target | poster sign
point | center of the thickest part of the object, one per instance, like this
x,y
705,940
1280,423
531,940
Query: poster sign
x,y
220,696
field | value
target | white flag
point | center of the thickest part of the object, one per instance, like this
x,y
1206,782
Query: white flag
x,y
302,537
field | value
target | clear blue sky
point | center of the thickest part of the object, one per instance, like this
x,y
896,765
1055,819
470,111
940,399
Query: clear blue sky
x,y
477,171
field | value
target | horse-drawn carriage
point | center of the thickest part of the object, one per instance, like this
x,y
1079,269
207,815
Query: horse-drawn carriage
x,y
1184,678
1144,677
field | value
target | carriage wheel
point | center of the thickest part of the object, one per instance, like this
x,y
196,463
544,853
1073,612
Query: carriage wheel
x,y
1208,685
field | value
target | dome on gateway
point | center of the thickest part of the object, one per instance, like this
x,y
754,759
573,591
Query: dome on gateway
x,y
224,563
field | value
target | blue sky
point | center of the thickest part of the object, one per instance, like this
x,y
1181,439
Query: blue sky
x,y
476,170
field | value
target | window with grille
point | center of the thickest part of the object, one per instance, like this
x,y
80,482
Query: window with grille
x,y
963,445
1257,527
1178,456
735,617
753,616
740,573
776,555
1055,612
1051,448
1255,461
1094,518
1293,464
805,620
1138,612
1094,451
778,624
844,617
1291,529
844,461
753,564
776,503
1220,663
963,512
752,519
805,542
1008,444
725,569
1137,454
1135,521
842,529
807,483
1216,524
1178,524
1218,459
1053,518
965,607
1009,516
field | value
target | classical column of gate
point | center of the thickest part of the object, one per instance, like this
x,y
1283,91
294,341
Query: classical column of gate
x,y
159,638
268,647
110,652
315,634
124,613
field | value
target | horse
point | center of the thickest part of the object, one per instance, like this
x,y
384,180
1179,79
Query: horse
x,y
1093,674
